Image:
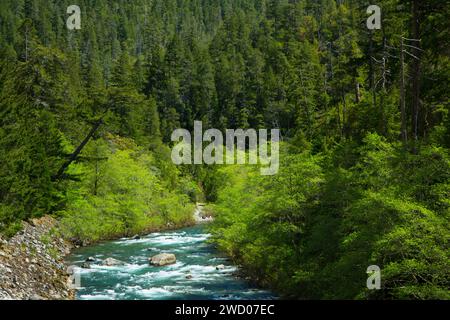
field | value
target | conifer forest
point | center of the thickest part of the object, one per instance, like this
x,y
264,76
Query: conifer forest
x,y
88,112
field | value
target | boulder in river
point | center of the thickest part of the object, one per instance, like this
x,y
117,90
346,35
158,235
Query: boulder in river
x,y
90,259
111,262
163,259
220,267
86,265
137,237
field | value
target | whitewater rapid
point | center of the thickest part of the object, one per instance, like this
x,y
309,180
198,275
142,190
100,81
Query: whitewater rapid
x,y
200,272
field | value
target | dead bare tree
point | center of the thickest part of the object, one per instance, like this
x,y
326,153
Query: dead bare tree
x,y
60,174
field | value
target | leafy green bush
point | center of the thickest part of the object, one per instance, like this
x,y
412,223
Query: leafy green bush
x,y
312,230
122,195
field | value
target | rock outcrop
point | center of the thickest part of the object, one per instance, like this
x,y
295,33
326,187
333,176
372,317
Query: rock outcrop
x,y
32,265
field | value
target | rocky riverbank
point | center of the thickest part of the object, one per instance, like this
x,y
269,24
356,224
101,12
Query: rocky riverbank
x,y
202,214
32,265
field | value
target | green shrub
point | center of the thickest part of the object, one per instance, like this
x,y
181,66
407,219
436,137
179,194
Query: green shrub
x,y
123,195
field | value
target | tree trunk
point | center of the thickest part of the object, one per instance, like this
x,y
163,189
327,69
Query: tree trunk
x,y
383,93
357,92
402,94
416,72
372,73
77,151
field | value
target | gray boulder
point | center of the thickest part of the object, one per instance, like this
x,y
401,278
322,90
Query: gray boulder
x,y
111,262
163,259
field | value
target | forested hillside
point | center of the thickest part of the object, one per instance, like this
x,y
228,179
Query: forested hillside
x,y
86,119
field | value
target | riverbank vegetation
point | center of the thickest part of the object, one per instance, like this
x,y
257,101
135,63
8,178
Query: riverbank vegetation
x,y
124,194
312,230
86,118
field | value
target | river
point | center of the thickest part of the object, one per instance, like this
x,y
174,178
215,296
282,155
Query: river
x,y
194,276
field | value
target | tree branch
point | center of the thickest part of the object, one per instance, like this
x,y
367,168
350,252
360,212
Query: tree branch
x,y
77,151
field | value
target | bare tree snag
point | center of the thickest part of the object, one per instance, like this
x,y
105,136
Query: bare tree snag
x,y
77,151
402,93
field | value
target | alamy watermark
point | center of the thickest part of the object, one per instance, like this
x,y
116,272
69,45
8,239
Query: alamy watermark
x,y
74,20
250,145
374,279
74,280
374,21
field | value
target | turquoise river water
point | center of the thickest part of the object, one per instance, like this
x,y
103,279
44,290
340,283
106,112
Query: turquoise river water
x,y
193,277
